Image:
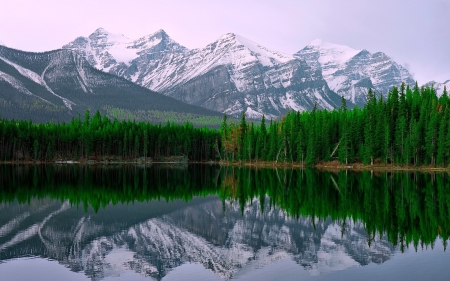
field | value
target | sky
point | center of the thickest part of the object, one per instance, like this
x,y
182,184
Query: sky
x,y
415,33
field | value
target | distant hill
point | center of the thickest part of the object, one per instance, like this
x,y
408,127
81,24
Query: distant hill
x,y
60,84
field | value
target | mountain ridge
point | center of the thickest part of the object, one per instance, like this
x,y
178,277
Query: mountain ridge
x,y
60,84
234,74
350,72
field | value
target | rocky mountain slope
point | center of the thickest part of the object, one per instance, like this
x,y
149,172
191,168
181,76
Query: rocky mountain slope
x,y
234,74
350,73
60,84
231,75
116,54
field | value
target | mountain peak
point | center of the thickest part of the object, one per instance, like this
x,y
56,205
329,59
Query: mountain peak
x,y
104,35
2,44
227,36
100,30
160,32
159,37
326,45
264,54
330,52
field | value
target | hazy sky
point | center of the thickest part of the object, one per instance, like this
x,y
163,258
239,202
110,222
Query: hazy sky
x,y
416,33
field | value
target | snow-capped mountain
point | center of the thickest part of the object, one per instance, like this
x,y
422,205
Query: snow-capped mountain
x,y
234,74
60,84
231,75
439,87
116,54
2,44
229,244
351,72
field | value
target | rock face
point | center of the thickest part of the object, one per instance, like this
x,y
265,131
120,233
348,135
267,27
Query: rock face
x,y
350,73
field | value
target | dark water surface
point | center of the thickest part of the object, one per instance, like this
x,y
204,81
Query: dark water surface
x,y
202,222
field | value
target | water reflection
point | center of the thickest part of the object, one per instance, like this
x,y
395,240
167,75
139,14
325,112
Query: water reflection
x,y
104,221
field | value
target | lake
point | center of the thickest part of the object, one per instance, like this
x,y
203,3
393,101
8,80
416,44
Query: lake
x,y
206,222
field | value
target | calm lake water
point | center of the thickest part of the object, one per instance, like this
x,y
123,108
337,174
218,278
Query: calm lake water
x,y
202,222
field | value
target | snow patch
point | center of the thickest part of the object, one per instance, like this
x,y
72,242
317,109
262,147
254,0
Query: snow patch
x,y
19,86
26,72
333,53
288,102
264,54
253,114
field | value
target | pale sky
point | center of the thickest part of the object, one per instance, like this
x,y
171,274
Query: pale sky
x,y
416,33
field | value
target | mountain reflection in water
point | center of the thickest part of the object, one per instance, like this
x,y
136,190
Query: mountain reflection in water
x,y
104,221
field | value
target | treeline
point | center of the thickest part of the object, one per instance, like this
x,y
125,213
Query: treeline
x,y
98,137
409,127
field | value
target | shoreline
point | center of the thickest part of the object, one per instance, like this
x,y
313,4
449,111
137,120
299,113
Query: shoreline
x,y
325,166
336,166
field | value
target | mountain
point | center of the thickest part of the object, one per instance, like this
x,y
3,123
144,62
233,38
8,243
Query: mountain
x,y
231,75
1,43
351,72
58,85
153,239
439,87
116,54
234,74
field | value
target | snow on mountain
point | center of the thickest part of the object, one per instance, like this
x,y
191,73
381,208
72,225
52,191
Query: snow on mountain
x,y
115,53
439,87
2,44
231,50
60,84
235,74
350,72
231,75
332,57
103,49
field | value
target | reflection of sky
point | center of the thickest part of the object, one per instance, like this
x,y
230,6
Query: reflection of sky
x,y
423,265
37,269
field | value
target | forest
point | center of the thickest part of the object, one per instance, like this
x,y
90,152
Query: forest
x,y
408,127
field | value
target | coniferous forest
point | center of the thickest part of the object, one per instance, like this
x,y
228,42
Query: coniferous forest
x,y
409,127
